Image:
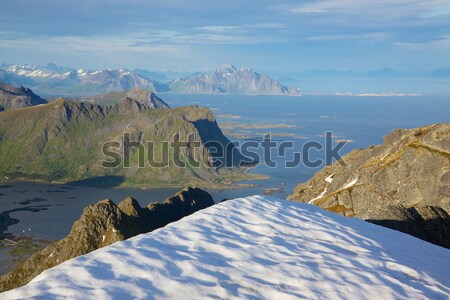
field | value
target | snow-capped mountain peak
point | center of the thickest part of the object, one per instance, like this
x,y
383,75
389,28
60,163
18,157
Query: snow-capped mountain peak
x,y
254,248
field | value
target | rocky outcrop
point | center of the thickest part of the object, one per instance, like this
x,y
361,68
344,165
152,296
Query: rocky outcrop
x,y
145,97
229,80
104,223
403,184
12,97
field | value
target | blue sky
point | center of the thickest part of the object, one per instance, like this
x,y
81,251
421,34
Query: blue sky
x,y
271,36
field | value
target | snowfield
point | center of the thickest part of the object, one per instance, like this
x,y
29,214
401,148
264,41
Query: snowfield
x,y
254,248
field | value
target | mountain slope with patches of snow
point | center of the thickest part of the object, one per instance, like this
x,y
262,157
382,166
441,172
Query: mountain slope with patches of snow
x,y
255,247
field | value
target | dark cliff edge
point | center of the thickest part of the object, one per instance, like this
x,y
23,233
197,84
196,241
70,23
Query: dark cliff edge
x,y
104,223
403,184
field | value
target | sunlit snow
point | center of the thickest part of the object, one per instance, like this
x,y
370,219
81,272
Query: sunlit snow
x,y
254,248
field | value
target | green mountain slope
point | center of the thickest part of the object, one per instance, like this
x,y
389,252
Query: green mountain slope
x,y
62,141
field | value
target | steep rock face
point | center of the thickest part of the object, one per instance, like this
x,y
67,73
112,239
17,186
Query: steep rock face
x,y
64,141
12,97
229,80
403,184
104,223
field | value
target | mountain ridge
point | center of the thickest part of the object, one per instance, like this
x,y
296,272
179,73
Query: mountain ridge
x,y
62,142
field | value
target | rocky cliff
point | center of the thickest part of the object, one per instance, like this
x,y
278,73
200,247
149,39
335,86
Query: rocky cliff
x,y
229,80
403,184
12,97
104,223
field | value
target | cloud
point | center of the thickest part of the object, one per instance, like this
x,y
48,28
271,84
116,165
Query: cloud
x,y
245,27
370,10
307,10
441,44
369,37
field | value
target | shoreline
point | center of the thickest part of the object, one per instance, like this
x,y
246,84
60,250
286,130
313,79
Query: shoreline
x,y
233,183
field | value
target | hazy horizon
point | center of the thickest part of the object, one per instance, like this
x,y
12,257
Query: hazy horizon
x,y
288,40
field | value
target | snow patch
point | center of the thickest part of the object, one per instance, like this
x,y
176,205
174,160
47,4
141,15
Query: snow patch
x,y
318,197
329,179
350,184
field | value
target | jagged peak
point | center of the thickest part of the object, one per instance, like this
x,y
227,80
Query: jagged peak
x,y
228,67
127,105
146,97
130,206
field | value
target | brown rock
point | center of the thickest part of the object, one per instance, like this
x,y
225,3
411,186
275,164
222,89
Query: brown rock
x,y
403,184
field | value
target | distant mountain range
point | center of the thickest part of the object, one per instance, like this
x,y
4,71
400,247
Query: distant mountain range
x,y
378,73
229,80
54,81
51,80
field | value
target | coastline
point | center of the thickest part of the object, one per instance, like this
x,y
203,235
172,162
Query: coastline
x,y
223,184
